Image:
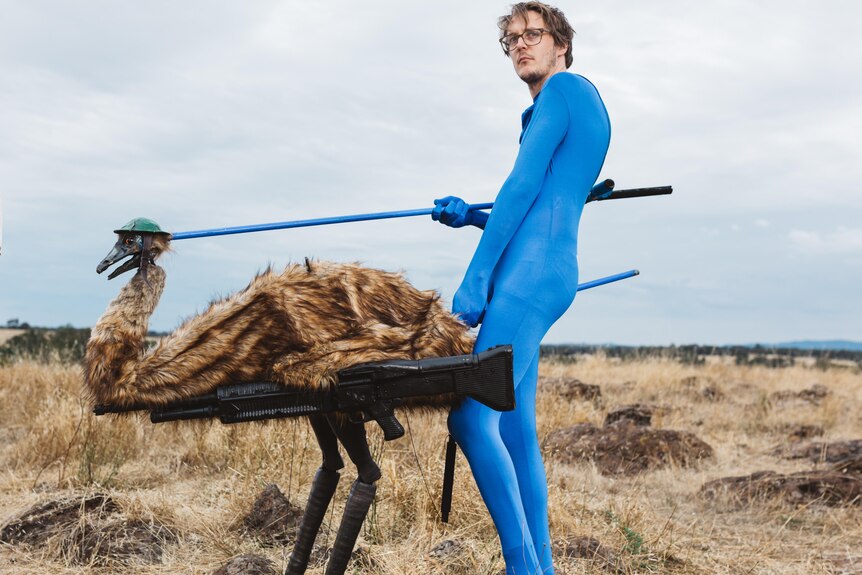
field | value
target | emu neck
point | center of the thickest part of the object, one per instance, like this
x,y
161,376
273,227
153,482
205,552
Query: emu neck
x,y
136,302
117,340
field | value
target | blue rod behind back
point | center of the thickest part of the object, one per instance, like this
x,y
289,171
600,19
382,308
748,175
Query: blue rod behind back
x,y
607,280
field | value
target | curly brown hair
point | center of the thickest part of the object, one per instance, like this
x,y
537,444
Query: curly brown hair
x,y
560,29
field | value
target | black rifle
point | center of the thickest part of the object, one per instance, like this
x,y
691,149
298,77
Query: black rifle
x,y
364,392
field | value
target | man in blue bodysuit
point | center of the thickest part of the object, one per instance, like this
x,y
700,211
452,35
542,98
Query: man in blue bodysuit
x,y
524,273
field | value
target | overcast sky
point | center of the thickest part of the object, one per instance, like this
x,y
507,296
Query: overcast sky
x,y
208,114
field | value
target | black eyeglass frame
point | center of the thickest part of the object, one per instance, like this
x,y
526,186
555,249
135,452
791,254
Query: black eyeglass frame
x,y
512,39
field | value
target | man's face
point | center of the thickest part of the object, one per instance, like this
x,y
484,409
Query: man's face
x,y
534,64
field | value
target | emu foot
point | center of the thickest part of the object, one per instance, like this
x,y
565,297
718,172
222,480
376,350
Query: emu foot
x,y
355,510
322,490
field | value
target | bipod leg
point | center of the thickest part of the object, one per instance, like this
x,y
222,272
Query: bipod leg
x,y
355,510
322,490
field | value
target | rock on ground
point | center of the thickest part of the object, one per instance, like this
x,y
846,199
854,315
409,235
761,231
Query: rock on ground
x,y
839,485
248,564
637,414
798,432
272,518
119,540
822,452
90,530
813,395
446,550
574,389
590,549
624,448
844,563
41,522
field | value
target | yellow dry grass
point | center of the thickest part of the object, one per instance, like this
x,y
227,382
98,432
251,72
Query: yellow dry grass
x,y
199,478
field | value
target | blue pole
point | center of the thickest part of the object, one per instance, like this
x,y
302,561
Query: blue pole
x,y
603,190
314,222
607,280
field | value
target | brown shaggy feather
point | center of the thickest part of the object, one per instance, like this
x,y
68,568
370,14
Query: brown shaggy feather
x,y
298,327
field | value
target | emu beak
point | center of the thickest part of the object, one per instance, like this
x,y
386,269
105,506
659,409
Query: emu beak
x,y
128,245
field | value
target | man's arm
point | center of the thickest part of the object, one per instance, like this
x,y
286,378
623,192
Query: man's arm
x,y
547,128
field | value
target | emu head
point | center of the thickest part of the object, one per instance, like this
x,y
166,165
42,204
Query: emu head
x,y
142,241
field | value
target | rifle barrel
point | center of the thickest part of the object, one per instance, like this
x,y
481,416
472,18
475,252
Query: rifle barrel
x,y
103,408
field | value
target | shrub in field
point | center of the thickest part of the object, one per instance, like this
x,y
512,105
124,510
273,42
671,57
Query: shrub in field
x,y
65,344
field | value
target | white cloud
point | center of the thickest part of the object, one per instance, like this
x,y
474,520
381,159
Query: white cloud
x,y
841,241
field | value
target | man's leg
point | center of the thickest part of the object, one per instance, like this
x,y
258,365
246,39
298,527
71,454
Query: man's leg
x,y
522,323
518,429
476,428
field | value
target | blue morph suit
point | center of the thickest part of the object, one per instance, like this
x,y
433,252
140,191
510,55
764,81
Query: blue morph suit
x,y
522,278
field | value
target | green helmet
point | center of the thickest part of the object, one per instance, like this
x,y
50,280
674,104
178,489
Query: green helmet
x,y
142,225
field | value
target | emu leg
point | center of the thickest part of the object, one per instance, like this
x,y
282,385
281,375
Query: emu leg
x,y
355,510
328,442
352,436
322,490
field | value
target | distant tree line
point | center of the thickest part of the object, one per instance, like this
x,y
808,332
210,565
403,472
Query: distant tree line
x,y
65,344
68,344
696,354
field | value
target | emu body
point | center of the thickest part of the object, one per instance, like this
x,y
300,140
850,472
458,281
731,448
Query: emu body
x,y
297,327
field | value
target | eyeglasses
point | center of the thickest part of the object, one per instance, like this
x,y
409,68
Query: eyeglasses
x,y
531,36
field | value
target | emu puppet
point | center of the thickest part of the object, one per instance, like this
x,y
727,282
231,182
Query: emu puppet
x,y
297,327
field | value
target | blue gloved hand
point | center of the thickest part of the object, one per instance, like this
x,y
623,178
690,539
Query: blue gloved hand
x,y
470,300
601,190
452,211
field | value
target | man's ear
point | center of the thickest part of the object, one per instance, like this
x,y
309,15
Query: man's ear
x,y
561,50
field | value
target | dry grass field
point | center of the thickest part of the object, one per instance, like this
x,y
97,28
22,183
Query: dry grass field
x,y
189,486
